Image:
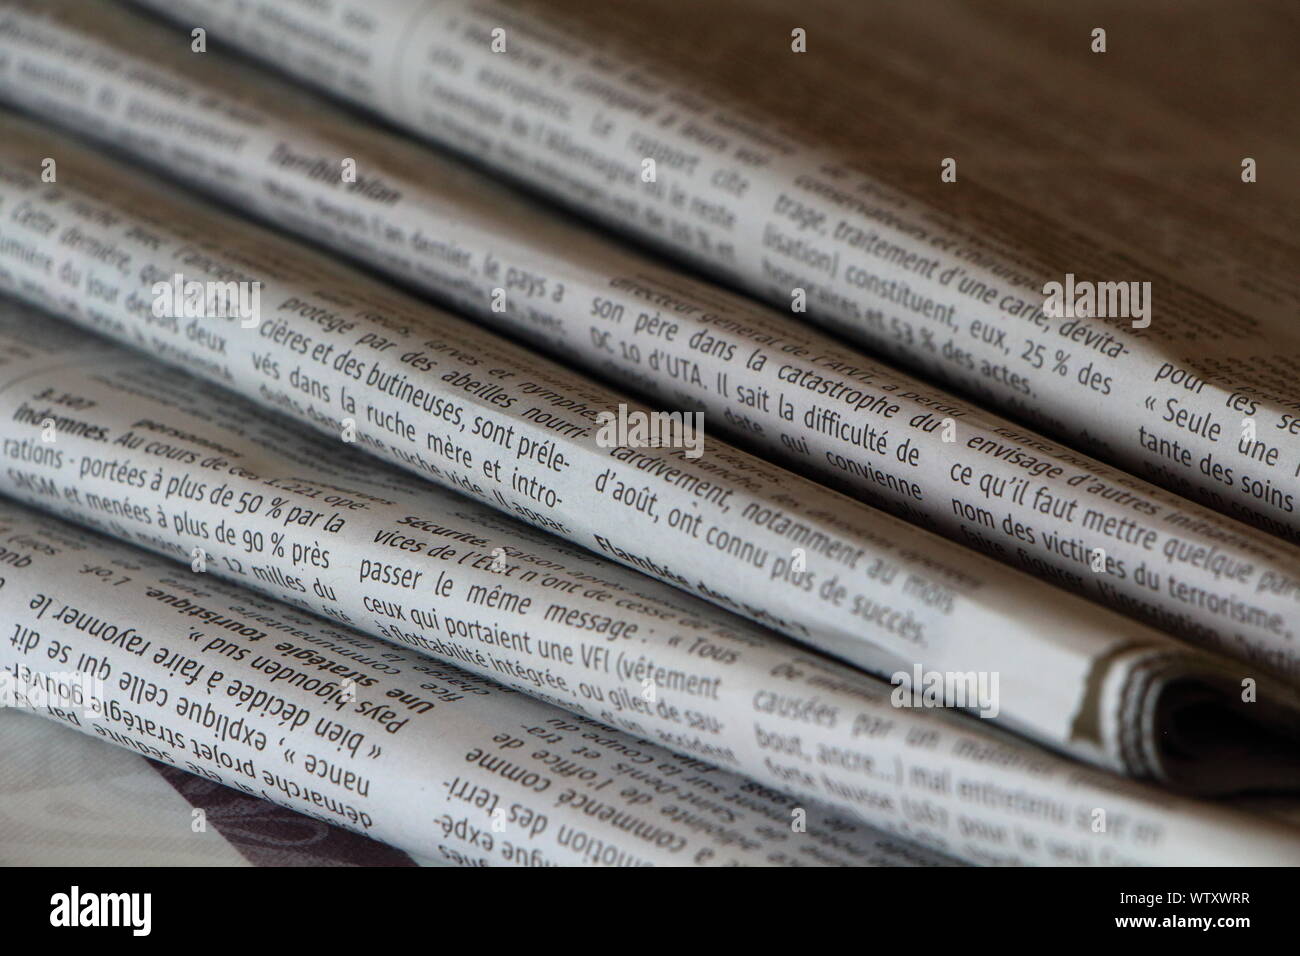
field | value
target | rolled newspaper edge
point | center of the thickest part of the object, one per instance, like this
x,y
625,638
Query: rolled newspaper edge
x,y
915,599
892,757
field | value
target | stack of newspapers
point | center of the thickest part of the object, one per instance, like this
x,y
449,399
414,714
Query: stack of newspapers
x,y
544,433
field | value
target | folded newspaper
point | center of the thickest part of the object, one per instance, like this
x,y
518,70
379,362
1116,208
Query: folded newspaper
x,y
762,379
604,716
361,362
353,731
195,673
1195,394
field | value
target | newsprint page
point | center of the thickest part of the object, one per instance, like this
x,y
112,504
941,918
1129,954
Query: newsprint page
x,y
625,433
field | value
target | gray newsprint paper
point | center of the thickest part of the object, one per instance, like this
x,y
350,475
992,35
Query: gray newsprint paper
x,y
358,361
444,399
391,738
246,692
764,380
1193,391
